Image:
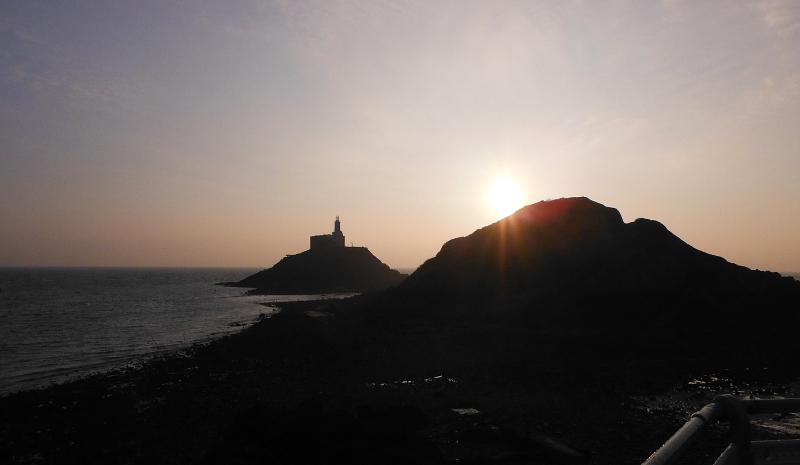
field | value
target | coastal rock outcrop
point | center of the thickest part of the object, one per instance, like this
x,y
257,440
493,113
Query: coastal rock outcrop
x,y
324,270
575,261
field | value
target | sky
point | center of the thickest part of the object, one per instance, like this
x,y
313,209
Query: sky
x,y
205,133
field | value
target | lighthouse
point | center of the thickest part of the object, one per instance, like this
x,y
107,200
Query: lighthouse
x,y
337,236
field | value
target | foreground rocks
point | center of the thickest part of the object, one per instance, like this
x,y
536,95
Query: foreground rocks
x,y
366,386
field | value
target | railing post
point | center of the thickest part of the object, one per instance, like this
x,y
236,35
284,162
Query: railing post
x,y
734,411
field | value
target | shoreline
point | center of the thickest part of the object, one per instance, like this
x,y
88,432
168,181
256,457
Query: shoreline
x,y
69,323
65,375
222,397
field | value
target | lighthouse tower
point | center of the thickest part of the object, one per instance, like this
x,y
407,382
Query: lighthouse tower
x,y
337,236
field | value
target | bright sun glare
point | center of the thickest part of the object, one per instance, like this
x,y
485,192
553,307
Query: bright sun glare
x,y
505,196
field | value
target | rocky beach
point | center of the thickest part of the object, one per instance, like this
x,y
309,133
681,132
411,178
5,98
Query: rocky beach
x,y
331,382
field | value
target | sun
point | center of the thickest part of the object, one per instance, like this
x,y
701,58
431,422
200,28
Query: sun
x,y
505,196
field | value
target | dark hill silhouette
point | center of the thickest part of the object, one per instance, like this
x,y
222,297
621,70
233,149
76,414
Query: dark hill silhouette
x,y
575,261
324,270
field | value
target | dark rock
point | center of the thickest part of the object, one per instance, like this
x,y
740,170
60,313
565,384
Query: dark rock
x,y
308,434
479,434
322,271
575,262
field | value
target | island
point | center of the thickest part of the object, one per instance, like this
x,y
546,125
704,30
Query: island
x,y
327,267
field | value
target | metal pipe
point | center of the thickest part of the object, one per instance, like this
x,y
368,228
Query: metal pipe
x,y
756,406
672,449
735,414
777,452
730,456
729,408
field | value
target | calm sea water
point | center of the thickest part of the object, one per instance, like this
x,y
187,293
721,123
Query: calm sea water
x,y
59,323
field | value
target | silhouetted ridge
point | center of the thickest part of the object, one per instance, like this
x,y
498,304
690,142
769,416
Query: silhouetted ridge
x,y
325,270
575,261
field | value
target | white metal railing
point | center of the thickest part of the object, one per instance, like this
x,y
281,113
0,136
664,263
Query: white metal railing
x,y
741,450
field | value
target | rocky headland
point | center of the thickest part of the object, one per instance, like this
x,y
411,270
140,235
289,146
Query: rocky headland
x,y
575,263
323,271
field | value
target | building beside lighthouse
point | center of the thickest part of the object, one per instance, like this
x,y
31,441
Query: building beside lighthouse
x,y
334,239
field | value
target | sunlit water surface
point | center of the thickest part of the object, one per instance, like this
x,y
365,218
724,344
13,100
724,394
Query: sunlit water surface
x,y
59,323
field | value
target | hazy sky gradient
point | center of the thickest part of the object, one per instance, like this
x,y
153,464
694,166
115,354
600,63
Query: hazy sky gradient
x,y
191,133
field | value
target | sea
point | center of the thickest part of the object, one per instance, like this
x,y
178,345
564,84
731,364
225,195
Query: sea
x,y
58,324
